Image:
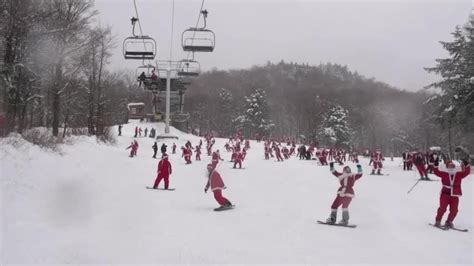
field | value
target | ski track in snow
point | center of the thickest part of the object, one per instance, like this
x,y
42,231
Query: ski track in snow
x,y
90,205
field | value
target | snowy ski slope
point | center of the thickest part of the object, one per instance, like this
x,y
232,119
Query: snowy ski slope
x,y
89,205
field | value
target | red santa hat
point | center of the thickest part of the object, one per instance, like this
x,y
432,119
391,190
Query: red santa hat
x,y
346,169
450,164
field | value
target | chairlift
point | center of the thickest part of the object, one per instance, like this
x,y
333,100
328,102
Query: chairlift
x,y
139,47
147,76
198,39
189,68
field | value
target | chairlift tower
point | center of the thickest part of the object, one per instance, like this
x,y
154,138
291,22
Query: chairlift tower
x,y
168,70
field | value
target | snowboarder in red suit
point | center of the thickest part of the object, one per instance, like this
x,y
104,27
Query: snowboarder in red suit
x,y
345,193
451,180
164,172
216,184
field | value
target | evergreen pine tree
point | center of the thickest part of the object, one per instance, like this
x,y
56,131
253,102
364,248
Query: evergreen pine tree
x,y
334,128
255,118
226,111
457,73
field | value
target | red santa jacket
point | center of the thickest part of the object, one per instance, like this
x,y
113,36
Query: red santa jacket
x,y
239,157
347,182
164,167
452,181
215,181
377,157
215,157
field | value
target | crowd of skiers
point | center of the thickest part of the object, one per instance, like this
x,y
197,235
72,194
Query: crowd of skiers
x,y
237,146
423,161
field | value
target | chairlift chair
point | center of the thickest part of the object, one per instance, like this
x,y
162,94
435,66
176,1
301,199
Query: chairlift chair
x,y
139,48
148,82
189,68
198,40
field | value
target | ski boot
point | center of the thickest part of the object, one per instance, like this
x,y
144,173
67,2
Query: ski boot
x,y
379,172
332,217
427,178
437,224
228,204
448,224
345,218
373,172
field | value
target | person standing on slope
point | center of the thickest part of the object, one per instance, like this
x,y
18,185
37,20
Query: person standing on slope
x,y
451,180
377,159
164,172
345,193
419,161
214,181
155,149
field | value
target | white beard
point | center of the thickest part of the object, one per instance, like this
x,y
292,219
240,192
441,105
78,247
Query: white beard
x,y
451,171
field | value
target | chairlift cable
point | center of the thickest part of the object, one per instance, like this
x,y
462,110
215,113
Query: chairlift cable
x,y
140,27
172,31
197,24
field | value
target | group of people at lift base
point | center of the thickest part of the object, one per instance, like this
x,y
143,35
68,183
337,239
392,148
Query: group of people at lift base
x,y
451,178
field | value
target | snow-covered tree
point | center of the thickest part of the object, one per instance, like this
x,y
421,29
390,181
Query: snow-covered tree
x,y
334,128
225,107
457,73
255,118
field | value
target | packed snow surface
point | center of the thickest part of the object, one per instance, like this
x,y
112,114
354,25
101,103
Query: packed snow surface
x,y
88,204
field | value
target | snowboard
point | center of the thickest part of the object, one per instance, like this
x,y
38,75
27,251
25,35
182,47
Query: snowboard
x,y
336,224
444,228
224,208
439,227
381,174
169,189
238,168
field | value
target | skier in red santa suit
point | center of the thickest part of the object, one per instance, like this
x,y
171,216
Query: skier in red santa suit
x,y
216,157
377,159
278,154
238,159
451,180
267,152
345,192
419,161
164,171
216,184
186,154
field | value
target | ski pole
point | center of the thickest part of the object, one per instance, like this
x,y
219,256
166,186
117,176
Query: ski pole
x,y
413,186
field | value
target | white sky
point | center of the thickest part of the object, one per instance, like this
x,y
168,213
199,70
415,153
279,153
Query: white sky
x,y
389,40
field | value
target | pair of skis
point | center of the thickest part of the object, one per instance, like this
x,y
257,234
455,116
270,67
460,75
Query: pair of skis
x,y
444,228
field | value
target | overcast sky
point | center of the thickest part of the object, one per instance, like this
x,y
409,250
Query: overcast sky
x,y
389,40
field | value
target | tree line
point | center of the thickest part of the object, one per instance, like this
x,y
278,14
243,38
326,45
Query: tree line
x,y
331,105
54,68
55,73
